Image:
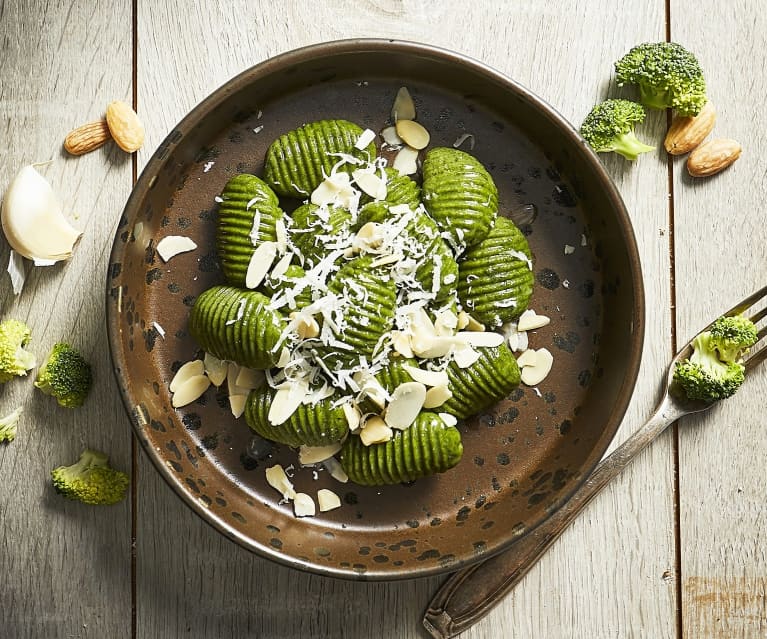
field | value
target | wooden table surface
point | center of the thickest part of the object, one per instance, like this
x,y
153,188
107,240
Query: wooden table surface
x,y
674,548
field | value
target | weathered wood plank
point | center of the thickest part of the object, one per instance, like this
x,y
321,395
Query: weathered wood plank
x,y
65,566
720,237
192,580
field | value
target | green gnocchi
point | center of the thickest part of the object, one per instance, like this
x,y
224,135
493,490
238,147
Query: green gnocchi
x,y
356,304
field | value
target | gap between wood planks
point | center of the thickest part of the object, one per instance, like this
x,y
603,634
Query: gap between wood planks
x,y
672,296
134,441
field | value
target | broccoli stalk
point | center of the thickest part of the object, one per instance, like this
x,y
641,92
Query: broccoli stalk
x,y
15,361
91,480
65,375
8,426
713,371
668,76
609,126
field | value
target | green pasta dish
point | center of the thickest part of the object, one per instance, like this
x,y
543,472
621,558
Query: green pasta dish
x,y
375,310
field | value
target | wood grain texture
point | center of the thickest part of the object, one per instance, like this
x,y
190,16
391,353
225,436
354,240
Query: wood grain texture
x,y
190,579
63,563
720,236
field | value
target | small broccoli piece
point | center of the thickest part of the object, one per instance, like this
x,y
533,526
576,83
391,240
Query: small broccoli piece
x,y
732,337
14,360
91,480
668,75
65,375
609,126
8,426
704,376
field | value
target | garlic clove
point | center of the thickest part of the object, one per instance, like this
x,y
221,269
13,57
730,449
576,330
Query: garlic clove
x,y
33,221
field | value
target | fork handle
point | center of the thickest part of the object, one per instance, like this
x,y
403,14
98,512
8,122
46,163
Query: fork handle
x,y
471,593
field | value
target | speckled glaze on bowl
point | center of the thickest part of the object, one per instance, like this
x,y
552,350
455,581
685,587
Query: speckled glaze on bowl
x,y
523,458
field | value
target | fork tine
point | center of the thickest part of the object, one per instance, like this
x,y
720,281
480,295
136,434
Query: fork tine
x,y
754,359
760,315
748,302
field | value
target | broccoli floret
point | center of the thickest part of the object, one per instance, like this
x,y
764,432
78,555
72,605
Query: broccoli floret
x,y
668,75
8,426
65,375
704,376
15,361
610,127
91,480
732,336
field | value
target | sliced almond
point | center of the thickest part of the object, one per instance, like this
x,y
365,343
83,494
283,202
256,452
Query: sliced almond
x,y
473,325
413,133
281,266
172,245
530,320
310,455
303,505
286,401
333,466
527,358
403,107
334,189
533,374
370,183
352,414
375,431
249,378
445,323
327,500
437,396
277,479
432,346
215,369
406,161
405,404
401,343
232,371
449,419
463,320
190,390
389,135
486,339
385,260
237,404
371,388
366,137
191,369
426,377
260,263
465,356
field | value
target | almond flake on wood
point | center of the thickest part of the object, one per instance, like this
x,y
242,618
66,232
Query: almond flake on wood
x,y
260,263
172,245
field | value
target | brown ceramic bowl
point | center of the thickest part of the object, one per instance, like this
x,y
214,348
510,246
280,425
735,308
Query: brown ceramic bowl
x,y
522,459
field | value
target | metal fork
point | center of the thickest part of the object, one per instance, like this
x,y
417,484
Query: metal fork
x,y
469,594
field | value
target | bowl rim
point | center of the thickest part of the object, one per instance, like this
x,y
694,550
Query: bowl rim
x,y
161,156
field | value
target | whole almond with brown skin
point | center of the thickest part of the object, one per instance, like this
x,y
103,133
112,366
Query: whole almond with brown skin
x,y
713,156
87,138
125,126
688,132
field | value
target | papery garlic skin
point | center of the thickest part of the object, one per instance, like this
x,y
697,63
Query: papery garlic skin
x,y
33,222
